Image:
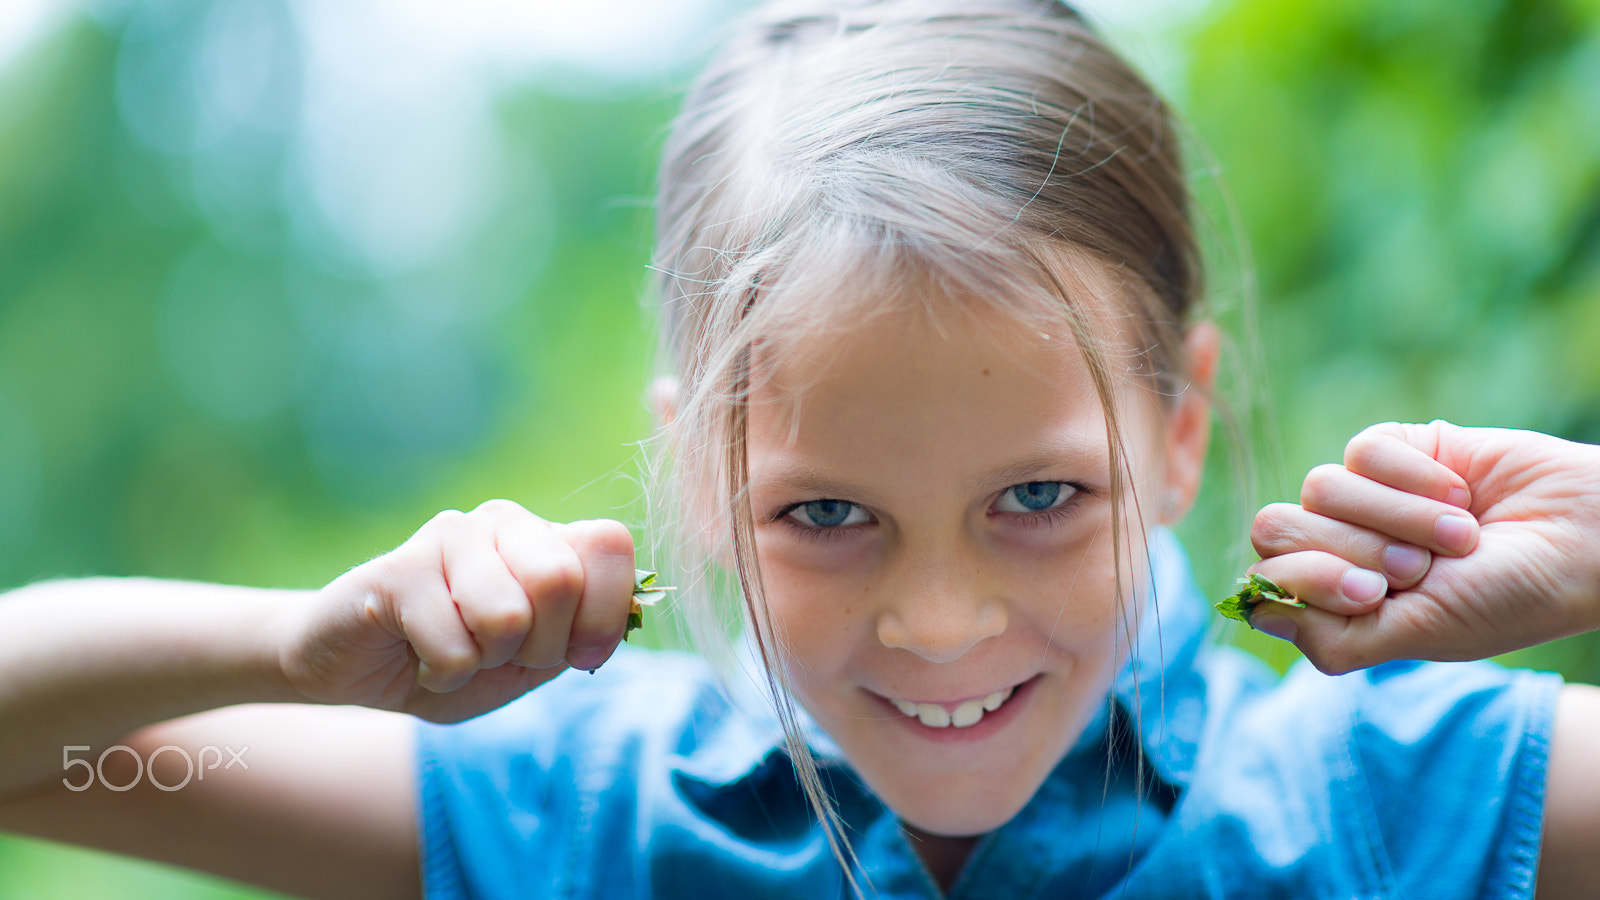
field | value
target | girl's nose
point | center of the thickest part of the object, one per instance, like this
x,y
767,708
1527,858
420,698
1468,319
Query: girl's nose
x,y
942,622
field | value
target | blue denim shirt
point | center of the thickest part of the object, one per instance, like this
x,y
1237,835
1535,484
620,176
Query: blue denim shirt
x,y
1409,780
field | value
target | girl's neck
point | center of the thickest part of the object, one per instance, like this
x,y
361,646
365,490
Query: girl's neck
x,y
942,856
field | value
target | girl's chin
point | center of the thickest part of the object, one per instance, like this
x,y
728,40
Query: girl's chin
x,y
960,804
956,820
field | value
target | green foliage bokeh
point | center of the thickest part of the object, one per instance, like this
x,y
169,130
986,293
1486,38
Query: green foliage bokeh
x,y
1404,196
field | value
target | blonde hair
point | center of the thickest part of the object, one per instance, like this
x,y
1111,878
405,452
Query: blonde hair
x,y
842,160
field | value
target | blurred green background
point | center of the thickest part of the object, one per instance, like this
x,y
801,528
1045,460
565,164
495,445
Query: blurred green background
x,y
279,280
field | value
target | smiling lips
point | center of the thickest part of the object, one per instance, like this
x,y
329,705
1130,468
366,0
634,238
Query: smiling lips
x,y
962,715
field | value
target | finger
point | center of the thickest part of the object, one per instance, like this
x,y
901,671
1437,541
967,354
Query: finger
x,y
606,548
1282,528
492,604
1387,454
447,656
552,577
1337,644
1325,581
1338,493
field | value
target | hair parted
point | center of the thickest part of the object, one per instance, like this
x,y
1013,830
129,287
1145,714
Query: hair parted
x,y
840,160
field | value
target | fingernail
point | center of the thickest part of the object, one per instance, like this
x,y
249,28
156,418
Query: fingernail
x,y
587,658
1280,627
1459,497
1405,562
1454,533
1363,586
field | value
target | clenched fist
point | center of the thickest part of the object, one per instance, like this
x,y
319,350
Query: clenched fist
x,y
471,612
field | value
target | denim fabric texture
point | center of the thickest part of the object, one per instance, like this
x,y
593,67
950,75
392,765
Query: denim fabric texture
x,y
1204,776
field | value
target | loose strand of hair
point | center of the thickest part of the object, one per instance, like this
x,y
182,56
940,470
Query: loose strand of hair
x,y
1120,475
747,564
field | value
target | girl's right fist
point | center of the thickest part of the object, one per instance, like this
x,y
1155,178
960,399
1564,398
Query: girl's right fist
x,y
471,612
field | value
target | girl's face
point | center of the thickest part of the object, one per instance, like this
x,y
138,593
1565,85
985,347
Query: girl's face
x,y
933,522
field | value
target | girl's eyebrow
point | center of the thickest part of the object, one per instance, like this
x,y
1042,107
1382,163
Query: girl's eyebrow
x,y
1074,453
798,477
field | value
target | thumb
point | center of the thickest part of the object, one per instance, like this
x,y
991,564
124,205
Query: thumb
x,y
488,690
1333,643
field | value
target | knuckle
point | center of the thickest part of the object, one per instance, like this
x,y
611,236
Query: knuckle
x,y
444,520
606,537
505,619
1336,657
1319,484
1363,450
1274,529
615,536
560,576
500,508
403,570
1326,660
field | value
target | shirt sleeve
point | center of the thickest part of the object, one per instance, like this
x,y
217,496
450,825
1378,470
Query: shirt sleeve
x,y
1406,780
541,797
1455,756
492,794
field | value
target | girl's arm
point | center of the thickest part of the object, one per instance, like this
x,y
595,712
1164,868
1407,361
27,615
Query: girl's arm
x,y
1569,864
324,808
471,612
312,801
86,662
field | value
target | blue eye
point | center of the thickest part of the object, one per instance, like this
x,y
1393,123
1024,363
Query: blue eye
x,y
829,513
1035,496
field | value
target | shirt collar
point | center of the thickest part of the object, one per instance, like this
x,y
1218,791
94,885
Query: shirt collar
x,y
1158,689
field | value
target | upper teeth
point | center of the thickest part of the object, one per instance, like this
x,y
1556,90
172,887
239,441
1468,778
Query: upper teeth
x,y
965,714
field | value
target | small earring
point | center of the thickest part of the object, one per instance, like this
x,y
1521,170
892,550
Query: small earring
x,y
1170,501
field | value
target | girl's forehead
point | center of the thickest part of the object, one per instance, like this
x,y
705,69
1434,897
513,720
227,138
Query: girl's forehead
x,y
877,316
905,352
806,330
1007,291
905,410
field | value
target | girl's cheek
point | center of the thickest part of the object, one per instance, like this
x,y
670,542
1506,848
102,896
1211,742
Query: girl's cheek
x,y
1071,581
1039,545
835,555
1074,536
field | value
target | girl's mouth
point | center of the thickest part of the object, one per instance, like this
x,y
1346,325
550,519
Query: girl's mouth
x,y
965,714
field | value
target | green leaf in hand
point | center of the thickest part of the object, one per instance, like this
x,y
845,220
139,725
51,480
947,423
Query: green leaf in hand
x,y
645,593
1254,591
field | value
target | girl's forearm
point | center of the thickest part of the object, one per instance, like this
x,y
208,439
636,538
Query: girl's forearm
x,y
85,662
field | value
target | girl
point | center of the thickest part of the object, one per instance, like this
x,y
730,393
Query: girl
x,y
928,287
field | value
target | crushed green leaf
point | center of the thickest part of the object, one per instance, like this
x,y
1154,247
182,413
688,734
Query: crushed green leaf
x,y
1254,591
645,593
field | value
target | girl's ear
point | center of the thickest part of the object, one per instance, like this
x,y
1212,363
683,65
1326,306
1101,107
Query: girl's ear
x,y
663,396
1189,425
